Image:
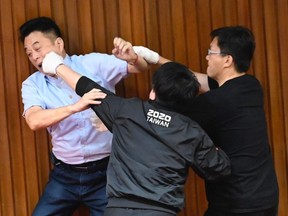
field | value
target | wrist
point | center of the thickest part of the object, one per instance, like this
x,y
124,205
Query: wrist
x,y
58,68
51,62
71,110
134,60
150,56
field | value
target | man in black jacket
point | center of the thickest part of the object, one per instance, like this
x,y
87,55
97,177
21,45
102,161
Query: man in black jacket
x,y
231,111
154,143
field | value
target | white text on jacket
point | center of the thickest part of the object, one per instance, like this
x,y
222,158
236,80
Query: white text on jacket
x,y
158,118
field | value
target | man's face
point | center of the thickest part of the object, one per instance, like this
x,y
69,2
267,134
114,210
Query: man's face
x,y
215,60
37,45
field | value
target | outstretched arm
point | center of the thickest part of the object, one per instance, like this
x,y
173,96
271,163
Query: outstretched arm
x,y
153,57
68,75
53,64
38,117
85,87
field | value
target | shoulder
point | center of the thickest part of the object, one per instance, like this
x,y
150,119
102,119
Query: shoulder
x,y
132,102
37,77
243,85
130,105
99,62
246,79
94,57
252,79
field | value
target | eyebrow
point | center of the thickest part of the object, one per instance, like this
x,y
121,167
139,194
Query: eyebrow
x,y
36,42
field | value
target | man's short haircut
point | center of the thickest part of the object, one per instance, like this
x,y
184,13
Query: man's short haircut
x,y
42,24
175,86
237,41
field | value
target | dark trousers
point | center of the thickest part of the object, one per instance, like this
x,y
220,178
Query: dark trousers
x,y
268,212
134,212
68,188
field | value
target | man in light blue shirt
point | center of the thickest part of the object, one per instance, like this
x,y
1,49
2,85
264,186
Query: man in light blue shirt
x,y
80,152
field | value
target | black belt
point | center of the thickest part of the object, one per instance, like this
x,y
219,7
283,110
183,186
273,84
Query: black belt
x,y
92,166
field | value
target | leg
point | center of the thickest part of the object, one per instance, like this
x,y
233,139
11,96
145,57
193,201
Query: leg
x,y
56,199
93,192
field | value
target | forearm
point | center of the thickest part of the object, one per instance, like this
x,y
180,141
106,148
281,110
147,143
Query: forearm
x,y
153,57
68,75
163,60
38,118
210,162
85,85
203,80
138,65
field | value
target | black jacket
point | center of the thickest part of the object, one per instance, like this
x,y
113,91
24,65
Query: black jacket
x,y
152,150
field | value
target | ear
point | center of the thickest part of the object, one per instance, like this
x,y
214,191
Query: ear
x,y
152,95
60,44
228,61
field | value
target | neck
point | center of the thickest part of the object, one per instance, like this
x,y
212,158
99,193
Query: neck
x,y
229,77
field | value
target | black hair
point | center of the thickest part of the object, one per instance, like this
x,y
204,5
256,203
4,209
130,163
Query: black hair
x,y
175,86
42,24
237,41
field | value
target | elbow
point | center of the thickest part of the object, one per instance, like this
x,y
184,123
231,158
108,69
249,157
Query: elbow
x,y
223,173
33,120
215,172
33,128
33,125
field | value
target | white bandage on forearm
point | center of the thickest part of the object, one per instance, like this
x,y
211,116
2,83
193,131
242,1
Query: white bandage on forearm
x,y
149,55
50,63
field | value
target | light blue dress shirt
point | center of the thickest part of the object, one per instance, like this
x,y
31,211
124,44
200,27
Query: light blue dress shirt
x,y
74,139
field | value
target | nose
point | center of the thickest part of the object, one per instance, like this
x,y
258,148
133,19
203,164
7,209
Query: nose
x,y
35,56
